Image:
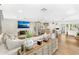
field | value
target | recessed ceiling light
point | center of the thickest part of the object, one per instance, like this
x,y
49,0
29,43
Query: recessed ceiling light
x,y
20,11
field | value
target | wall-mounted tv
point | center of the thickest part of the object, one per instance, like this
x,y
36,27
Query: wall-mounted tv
x,y
23,24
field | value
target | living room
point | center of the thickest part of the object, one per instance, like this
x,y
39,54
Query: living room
x,y
29,29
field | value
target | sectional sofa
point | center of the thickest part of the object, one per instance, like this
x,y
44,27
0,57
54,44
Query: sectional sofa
x,y
9,46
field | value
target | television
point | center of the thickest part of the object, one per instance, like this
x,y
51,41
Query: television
x,y
23,24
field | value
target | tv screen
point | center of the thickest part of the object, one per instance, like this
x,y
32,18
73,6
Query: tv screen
x,y
23,24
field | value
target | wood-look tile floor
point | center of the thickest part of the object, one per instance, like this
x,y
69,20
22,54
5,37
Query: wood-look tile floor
x,y
68,46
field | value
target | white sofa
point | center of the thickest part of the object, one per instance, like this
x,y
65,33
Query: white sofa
x,y
41,37
10,47
5,51
35,39
53,36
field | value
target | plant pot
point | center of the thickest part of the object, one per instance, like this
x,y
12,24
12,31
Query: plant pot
x,y
29,44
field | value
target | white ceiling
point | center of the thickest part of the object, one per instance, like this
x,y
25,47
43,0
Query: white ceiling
x,y
54,12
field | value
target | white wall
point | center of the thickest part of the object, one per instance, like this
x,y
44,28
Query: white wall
x,y
9,26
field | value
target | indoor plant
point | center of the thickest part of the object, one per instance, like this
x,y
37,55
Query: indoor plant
x,y
29,41
29,34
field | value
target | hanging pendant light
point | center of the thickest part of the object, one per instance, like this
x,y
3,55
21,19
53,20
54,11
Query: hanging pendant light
x,y
43,9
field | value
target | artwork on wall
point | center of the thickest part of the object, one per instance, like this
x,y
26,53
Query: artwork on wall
x,y
23,24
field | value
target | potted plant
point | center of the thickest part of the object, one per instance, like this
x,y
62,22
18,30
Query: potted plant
x,y
29,34
77,37
29,41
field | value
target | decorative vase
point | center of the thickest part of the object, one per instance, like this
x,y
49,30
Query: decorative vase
x,y
29,43
45,37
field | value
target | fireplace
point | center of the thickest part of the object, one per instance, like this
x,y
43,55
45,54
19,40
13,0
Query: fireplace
x,y
22,32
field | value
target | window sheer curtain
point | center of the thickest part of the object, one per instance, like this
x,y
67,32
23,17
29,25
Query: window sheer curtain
x,y
1,17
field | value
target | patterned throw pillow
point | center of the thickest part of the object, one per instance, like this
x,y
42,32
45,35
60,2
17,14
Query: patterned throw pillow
x,y
5,37
12,44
